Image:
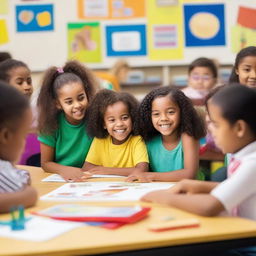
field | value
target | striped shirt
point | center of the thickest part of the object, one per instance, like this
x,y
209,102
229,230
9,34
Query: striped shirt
x,y
12,179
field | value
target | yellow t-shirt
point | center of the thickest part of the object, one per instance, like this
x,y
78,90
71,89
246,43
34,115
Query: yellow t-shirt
x,y
104,153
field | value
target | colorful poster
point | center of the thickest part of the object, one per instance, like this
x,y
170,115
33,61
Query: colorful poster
x,y
34,18
3,32
84,43
110,9
126,40
204,25
3,6
165,35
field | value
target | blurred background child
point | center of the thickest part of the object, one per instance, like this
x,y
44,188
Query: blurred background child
x,y
202,77
15,122
244,69
17,74
171,128
116,148
62,102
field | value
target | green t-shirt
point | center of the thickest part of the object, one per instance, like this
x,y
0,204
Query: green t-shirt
x,y
163,160
71,143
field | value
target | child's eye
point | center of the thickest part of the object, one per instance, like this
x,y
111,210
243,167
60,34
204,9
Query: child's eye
x,y
81,98
171,112
69,102
125,117
29,80
155,114
111,120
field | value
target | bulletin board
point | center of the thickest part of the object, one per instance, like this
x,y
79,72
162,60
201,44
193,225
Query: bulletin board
x,y
146,33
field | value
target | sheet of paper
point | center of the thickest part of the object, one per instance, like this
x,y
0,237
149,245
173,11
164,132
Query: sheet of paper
x,y
103,191
40,229
58,178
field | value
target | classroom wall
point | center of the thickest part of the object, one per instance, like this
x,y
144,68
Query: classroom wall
x,y
146,32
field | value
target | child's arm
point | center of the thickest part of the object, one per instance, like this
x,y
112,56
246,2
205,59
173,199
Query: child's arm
x,y
26,197
201,204
94,169
191,164
69,173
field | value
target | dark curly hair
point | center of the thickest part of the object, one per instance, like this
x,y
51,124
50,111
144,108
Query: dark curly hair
x,y
7,65
54,79
245,52
190,122
97,109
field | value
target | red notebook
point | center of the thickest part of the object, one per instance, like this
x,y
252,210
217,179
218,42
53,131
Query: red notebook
x,y
78,212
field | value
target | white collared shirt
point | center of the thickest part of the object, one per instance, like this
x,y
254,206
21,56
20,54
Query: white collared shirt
x,y
240,189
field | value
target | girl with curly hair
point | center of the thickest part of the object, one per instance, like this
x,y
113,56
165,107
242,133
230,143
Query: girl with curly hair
x,y
62,102
117,148
171,128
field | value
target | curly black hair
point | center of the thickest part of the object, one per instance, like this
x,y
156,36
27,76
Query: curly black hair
x,y
97,109
190,122
54,79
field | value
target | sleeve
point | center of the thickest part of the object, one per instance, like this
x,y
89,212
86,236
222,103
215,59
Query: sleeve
x,y
238,187
10,180
94,153
140,152
49,140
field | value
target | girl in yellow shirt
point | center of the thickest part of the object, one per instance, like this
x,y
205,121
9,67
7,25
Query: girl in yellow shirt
x,y
116,148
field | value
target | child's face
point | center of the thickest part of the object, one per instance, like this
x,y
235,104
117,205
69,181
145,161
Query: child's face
x,y
165,115
20,78
122,74
73,101
201,78
118,122
13,143
246,71
224,134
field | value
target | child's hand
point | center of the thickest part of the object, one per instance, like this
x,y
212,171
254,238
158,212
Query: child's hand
x,y
158,196
97,170
73,174
139,177
186,187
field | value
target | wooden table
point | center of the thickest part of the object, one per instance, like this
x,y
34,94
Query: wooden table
x,y
213,235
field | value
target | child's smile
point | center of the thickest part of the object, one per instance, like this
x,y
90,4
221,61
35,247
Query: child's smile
x,y
118,122
165,115
72,100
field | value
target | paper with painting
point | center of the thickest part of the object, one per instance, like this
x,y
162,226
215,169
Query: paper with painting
x,y
103,191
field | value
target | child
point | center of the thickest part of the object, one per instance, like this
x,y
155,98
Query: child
x,y
202,76
171,128
15,120
17,74
63,100
234,130
116,148
244,70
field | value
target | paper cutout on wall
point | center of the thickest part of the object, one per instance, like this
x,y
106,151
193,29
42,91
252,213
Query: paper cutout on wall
x,y
165,35
126,40
34,18
246,17
3,6
244,34
84,42
110,9
204,25
3,32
